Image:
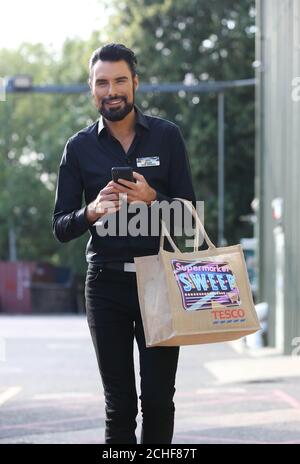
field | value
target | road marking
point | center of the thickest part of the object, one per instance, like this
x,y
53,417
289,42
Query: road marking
x,y
63,396
243,419
222,400
8,394
51,425
211,392
287,398
63,346
53,335
219,391
195,438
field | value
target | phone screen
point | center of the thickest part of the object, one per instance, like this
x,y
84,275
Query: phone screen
x,y
122,173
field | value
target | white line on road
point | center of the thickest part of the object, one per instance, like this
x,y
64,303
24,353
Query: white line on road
x,y
9,393
63,346
62,396
287,398
240,419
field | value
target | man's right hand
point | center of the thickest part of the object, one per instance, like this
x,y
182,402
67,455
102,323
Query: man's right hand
x,y
107,202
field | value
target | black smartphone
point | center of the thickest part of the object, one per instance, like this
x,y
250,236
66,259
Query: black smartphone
x,y
122,173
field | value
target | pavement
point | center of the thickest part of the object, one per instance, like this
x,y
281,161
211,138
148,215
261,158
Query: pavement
x,y
51,392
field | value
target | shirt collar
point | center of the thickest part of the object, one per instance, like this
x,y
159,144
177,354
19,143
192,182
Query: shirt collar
x,y
140,119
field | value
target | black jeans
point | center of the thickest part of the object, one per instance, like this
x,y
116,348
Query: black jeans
x,y
114,319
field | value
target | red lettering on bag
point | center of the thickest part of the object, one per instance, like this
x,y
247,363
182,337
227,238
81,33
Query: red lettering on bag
x,y
228,314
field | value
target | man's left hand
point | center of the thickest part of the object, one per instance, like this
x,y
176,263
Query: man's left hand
x,y
136,191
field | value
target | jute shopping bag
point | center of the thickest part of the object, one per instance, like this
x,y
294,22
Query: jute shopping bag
x,y
195,297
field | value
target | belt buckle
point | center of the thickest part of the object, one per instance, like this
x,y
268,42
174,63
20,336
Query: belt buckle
x,y
129,267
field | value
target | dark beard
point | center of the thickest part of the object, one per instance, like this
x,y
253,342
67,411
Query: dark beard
x,y
116,114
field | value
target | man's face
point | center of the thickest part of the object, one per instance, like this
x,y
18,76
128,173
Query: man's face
x,y
113,89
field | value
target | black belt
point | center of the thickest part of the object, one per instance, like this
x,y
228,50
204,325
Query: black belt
x,y
125,267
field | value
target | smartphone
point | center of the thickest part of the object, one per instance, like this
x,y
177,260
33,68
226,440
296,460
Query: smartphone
x,y
122,173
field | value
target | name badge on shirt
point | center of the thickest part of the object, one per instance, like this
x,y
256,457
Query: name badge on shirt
x,y
147,161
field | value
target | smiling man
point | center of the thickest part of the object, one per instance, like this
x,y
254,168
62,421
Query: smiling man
x,y
112,108
154,148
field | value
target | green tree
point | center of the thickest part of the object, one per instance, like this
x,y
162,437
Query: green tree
x,y
192,41
33,131
176,41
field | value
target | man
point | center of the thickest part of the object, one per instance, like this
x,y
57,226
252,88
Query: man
x,y
154,148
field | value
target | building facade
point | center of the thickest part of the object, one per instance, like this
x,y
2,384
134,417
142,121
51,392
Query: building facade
x,y
278,168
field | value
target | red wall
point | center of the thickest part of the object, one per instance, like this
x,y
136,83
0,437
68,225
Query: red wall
x,y
15,278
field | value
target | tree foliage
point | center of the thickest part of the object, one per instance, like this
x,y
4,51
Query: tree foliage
x,y
186,41
192,41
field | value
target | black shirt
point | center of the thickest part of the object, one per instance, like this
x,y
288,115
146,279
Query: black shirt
x,y
85,168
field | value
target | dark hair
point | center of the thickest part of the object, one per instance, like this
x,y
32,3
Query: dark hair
x,y
114,52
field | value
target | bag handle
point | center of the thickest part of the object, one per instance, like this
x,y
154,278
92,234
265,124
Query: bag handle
x,y
194,213
199,226
166,233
